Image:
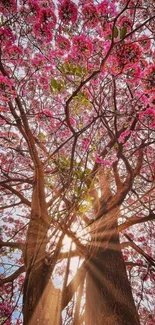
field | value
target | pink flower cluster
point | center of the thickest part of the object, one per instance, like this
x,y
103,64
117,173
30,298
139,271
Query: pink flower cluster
x,y
132,73
85,143
145,43
8,7
149,114
90,15
67,11
5,310
6,86
46,22
82,46
105,7
129,54
63,43
148,79
99,160
125,21
123,135
6,36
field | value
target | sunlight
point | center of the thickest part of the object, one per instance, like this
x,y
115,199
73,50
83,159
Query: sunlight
x,y
67,243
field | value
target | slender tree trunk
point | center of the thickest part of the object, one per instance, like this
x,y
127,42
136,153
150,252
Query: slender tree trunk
x,y
109,299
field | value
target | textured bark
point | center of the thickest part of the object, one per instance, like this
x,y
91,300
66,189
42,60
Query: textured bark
x,y
34,261
109,298
41,300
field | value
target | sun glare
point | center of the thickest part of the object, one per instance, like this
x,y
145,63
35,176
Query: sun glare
x,y
67,243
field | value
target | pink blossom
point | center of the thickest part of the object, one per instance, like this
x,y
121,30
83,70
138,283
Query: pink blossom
x,y
5,309
106,163
63,43
82,45
114,66
137,3
123,135
4,99
112,9
129,54
125,21
43,32
43,81
8,7
149,113
44,25
152,101
6,36
145,43
38,60
85,143
106,7
148,79
142,97
90,15
99,160
102,8
3,108
132,73
5,82
72,121
47,16
143,64
67,11
2,122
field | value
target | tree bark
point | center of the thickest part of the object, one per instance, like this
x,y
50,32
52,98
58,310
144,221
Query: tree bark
x,y
109,297
34,262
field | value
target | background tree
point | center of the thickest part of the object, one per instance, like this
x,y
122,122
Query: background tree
x,y
77,115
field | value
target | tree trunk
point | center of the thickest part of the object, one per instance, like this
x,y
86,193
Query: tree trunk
x,y
109,297
41,300
34,262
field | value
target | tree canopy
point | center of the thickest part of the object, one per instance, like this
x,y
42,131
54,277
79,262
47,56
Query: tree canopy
x,y
77,121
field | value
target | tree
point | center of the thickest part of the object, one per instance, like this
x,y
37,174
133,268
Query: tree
x,y
77,115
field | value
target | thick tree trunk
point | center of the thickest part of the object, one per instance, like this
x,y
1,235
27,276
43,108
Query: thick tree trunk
x,y
34,262
41,300
109,299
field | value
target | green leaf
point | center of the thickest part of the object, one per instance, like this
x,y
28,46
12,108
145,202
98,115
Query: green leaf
x,y
53,83
115,31
67,66
2,20
123,32
62,69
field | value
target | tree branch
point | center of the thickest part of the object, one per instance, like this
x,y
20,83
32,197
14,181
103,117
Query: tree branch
x,y
138,249
13,276
18,194
11,245
136,220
